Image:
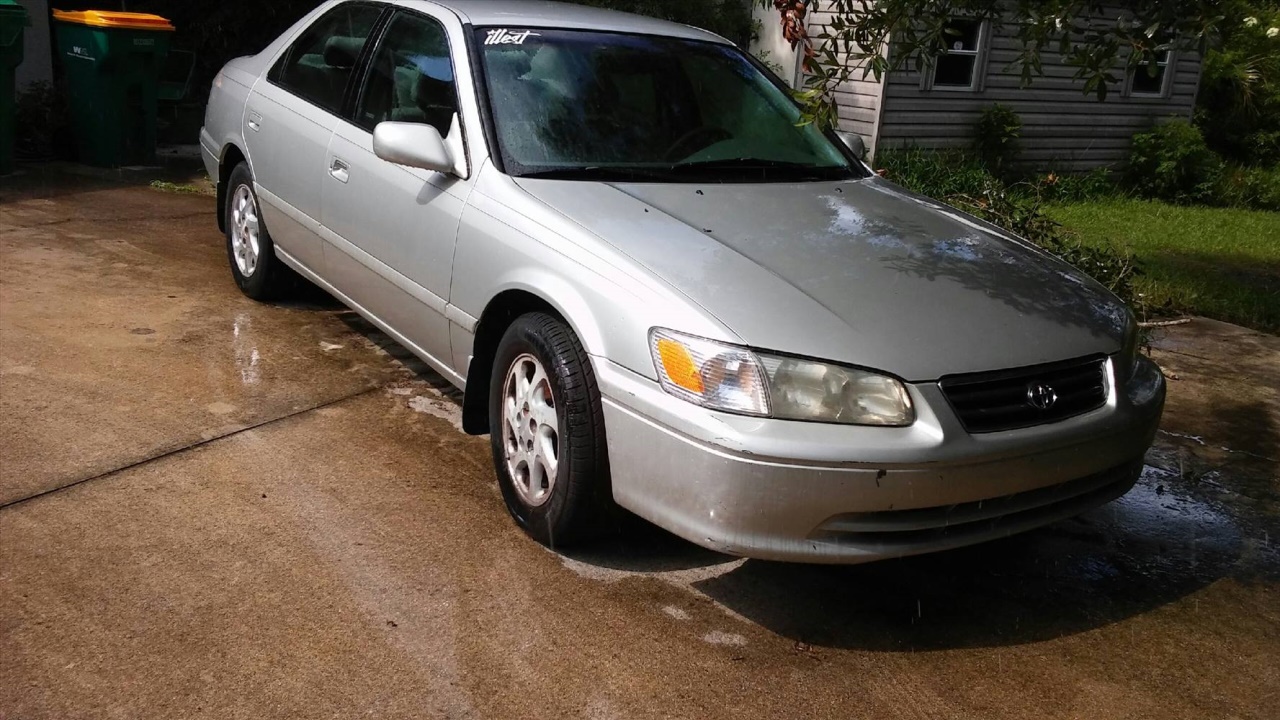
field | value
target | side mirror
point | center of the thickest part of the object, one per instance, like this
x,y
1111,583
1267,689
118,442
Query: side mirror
x,y
854,142
413,145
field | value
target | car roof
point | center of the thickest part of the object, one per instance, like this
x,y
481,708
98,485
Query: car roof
x,y
536,13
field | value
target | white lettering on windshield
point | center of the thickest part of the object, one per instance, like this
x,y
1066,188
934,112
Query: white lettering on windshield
x,y
506,37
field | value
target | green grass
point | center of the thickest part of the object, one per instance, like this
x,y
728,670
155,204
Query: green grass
x,y
1217,262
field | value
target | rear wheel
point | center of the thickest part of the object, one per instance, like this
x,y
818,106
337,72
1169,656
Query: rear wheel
x,y
547,431
254,265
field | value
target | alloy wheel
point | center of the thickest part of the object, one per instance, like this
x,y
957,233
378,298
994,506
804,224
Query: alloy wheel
x,y
531,430
245,233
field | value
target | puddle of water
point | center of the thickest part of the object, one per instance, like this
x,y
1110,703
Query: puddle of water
x,y
675,612
437,405
716,637
1199,440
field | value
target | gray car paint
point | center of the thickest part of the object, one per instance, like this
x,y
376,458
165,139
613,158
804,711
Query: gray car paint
x,y
859,272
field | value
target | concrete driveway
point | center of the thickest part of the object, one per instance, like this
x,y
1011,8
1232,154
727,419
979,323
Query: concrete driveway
x,y
215,508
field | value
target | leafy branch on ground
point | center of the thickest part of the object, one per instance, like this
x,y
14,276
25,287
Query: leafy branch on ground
x,y
180,189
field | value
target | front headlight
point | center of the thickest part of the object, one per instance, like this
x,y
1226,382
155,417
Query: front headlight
x,y
710,374
735,379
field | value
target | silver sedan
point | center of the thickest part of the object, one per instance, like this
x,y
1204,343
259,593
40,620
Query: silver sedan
x,y
661,294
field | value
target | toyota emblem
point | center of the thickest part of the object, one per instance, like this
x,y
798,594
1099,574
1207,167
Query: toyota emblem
x,y
1041,396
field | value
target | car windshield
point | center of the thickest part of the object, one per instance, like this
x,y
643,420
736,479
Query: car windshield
x,y
611,106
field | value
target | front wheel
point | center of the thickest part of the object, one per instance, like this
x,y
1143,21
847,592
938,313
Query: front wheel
x,y
254,265
547,430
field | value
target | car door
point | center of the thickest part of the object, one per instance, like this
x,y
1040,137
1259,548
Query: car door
x,y
290,118
390,229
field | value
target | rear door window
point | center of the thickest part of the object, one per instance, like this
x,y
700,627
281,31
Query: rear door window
x,y
319,65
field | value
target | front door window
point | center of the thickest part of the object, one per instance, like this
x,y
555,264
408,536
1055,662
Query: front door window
x,y
411,78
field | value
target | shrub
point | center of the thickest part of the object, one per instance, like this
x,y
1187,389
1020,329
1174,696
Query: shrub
x,y
995,138
1238,105
936,173
1245,187
1172,162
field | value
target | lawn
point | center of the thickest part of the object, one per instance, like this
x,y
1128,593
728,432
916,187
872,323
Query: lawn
x,y
1220,263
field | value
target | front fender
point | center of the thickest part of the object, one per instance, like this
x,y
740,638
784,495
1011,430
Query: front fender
x,y
518,243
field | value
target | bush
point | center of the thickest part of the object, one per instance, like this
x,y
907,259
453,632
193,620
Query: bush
x,y
1245,187
995,138
1173,163
1238,106
936,173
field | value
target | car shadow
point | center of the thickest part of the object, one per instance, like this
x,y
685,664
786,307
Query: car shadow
x,y
1144,551
640,547
309,296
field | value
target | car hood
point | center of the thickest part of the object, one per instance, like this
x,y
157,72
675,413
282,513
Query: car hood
x,y
860,272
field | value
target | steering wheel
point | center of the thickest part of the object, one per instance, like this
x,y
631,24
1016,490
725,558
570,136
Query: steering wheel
x,y
696,139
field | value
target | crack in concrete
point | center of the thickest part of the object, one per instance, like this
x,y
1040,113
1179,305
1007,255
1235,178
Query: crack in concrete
x,y
184,447
104,221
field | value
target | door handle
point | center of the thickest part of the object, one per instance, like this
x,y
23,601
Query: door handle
x,y
340,170
255,121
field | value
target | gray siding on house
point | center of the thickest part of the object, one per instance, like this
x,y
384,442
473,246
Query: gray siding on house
x,y
858,99
1062,127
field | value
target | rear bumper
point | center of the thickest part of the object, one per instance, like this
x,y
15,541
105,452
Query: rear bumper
x,y
803,492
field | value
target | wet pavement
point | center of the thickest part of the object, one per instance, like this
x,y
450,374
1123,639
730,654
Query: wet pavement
x,y
215,508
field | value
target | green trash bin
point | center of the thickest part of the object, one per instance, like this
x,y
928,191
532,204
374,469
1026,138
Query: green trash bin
x,y
13,20
112,63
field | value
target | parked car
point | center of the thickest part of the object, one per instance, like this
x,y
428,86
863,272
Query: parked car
x,y
660,292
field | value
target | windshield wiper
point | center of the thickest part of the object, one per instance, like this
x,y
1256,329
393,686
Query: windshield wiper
x,y
746,165
758,169
602,174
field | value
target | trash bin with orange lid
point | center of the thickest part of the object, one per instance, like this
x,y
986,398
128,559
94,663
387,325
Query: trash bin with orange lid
x,y
112,62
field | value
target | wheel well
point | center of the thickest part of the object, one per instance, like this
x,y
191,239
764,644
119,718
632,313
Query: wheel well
x,y
501,312
231,157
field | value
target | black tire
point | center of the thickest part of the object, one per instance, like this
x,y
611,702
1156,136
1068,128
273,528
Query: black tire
x,y
271,279
580,504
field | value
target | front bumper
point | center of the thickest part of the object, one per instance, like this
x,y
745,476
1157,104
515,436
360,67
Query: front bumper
x,y
783,490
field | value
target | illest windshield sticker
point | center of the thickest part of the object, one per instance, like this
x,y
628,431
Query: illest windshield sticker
x,y
503,36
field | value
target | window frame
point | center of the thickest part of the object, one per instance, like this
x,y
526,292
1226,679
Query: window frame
x,y
364,69
928,78
1166,80
375,32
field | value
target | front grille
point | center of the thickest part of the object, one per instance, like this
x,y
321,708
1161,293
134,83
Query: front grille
x,y
1006,400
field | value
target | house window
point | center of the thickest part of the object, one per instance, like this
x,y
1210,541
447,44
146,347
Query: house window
x,y
1145,83
959,67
